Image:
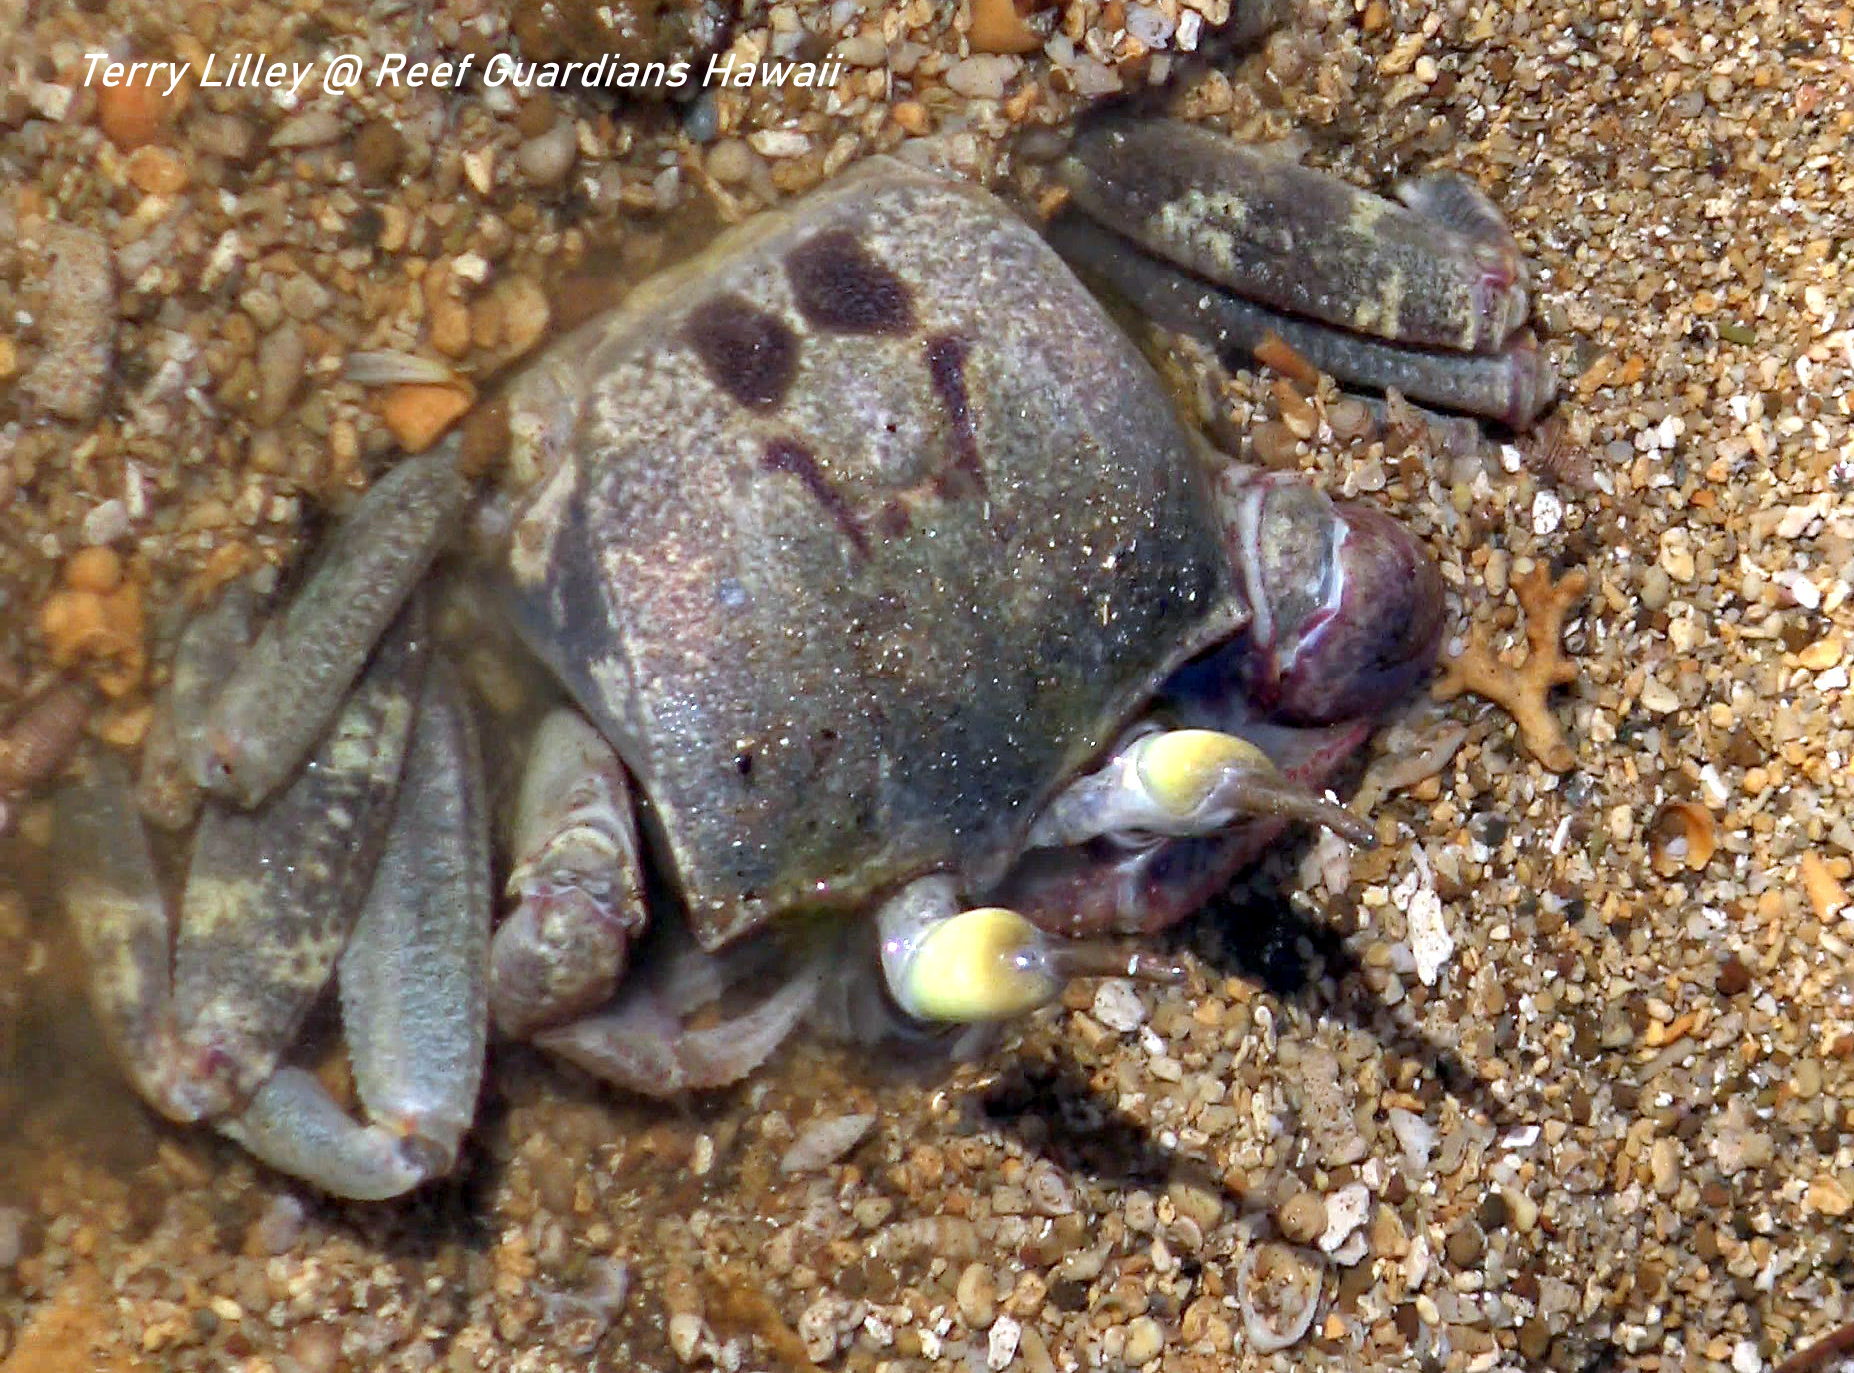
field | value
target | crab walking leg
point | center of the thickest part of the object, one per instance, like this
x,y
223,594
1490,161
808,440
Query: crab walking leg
x,y
412,998
577,878
1183,782
1513,385
1300,240
258,940
945,963
414,1002
112,897
207,655
296,1127
279,703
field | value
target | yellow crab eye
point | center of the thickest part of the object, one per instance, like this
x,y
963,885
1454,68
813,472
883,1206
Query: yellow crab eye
x,y
1181,767
988,963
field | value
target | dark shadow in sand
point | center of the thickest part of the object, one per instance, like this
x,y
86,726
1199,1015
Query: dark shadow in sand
x,y
1255,933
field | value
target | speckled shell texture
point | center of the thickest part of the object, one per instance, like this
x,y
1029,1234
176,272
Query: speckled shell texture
x,y
856,536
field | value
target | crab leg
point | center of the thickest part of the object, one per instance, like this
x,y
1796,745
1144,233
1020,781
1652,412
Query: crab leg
x,y
412,987
207,655
279,702
1300,240
577,879
112,897
1512,386
293,1124
256,945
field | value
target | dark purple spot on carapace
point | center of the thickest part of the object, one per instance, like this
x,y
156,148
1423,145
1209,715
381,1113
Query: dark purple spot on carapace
x,y
841,289
750,354
793,458
946,364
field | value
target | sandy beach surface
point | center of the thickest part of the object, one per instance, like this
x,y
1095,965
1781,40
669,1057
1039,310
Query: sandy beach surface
x,y
1560,1076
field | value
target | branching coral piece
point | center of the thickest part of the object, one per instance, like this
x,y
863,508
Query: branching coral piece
x,y
1522,690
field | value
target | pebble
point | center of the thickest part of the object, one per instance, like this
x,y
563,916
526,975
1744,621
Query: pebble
x,y
1416,1136
685,1336
157,171
303,298
1048,1190
525,313
1002,1342
730,161
278,1227
222,135
976,1294
78,326
1827,1195
998,28
106,522
545,159
1826,895
379,151
1534,1338
1117,1005
982,76
316,1347
822,1142
865,49
418,413
1466,1245
1664,1165
779,143
1677,555
133,115
281,356
1302,1217
1145,1341
1346,1210
310,129
826,1325
1325,1104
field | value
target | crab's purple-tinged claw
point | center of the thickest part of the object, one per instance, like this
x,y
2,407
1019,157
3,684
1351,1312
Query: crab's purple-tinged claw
x,y
1347,604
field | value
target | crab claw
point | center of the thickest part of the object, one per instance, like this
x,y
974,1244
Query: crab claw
x,y
1347,605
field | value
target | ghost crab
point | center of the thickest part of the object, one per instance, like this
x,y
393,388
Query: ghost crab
x,y
883,582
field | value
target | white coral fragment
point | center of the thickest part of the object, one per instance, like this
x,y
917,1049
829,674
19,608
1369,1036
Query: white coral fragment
x,y
1431,945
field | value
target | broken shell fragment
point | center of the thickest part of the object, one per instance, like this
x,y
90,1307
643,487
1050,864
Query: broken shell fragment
x,y
1682,835
37,740
38,737
1278,1288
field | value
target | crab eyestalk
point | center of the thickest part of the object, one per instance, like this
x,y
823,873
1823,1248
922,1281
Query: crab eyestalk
x,y
951,966
1347,605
